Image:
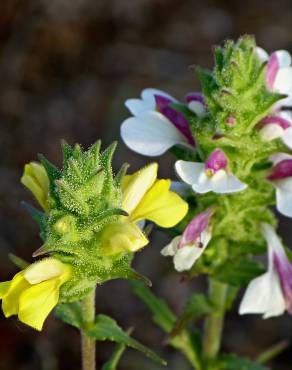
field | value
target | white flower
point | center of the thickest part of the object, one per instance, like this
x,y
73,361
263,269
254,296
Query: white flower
x,y
281,178
278,125
213,175
188,247
279,73
271,293
156,126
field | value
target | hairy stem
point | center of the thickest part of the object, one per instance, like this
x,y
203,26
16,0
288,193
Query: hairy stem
x,y
88,344
215,322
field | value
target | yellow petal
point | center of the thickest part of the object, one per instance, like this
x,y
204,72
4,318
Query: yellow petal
x,y
161,206
121,237
4,287
10,299
37,302
135,186
44,270
35,178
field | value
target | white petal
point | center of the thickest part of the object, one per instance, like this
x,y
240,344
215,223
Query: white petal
x,y
148,96
284,58
283,81
284,198
203,185
197,108
223,183
262,54
271,131
186,257
172,247
189,172
150,133
263,296
287,137
137,106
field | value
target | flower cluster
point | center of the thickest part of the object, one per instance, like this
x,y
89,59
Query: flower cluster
x,y
235,139
91,226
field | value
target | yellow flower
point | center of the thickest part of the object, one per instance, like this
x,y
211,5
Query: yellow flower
x,y
35,179
34,292
144,198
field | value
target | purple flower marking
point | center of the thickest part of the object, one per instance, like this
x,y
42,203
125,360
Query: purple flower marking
x,y
281,170
195,97
284,270
272,70
193,231
175,117
216,161
275,120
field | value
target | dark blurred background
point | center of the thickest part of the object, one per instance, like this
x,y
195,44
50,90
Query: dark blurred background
x,y
66,68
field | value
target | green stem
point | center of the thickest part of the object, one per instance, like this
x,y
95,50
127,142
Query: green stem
x,y
88,344
272,352
215,322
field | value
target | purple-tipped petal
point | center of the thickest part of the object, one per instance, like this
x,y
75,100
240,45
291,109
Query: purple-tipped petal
x,y
216,161
195,228
281,170
175,117
195,97
275,120
284,270
272,70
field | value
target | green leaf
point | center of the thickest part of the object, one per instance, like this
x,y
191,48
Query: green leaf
x,y
232,362
239,271
116,356
105,328
70,313
162,315
112,363
188,343
197,307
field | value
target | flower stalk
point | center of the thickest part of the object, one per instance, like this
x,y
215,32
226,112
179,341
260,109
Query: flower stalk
x,y
88,345
215,322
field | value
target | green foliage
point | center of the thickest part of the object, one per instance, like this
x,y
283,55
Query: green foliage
x,y
197,307
104,328
239,271
112,363
189,343
233,362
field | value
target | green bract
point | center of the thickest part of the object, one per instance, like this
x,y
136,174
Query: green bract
x,y
83,198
